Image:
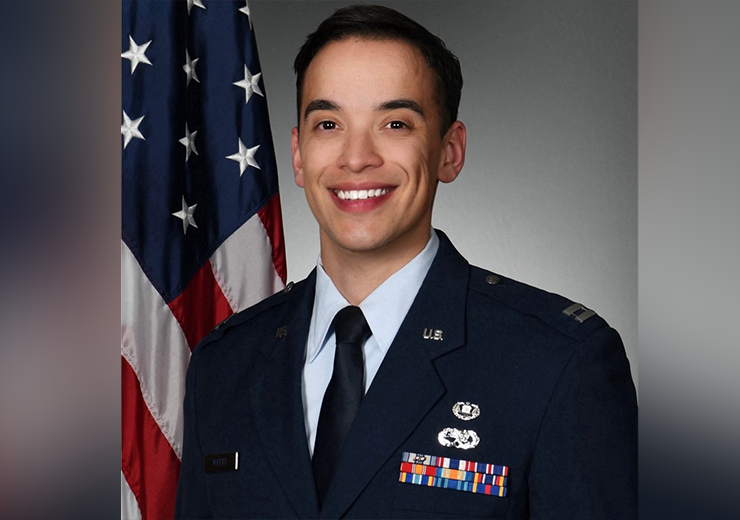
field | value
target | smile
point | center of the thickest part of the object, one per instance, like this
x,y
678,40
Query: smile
x,y
361,194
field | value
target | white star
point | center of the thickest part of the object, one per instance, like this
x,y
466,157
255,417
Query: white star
x,y
198,3
245,157
189,68
130,129
189,142
250,84
135,53
186,215
245,10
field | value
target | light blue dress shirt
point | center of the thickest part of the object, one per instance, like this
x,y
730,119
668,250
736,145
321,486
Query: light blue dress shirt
x,y
384,309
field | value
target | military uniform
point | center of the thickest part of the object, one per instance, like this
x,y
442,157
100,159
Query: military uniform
x,y
491,402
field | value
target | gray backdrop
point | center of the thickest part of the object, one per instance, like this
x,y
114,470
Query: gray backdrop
x,y
548,194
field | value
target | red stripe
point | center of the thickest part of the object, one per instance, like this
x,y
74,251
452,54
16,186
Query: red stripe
x,y
148,462
272,219
201,306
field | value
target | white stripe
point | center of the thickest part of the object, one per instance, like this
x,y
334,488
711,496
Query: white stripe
x,y
129,506
154,345
243,266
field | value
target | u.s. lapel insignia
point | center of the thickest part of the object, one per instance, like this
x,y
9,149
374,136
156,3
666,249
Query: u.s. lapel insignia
x,y
434,334
465,410
462,439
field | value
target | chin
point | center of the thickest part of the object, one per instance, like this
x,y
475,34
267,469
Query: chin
x,y
361,244
359,240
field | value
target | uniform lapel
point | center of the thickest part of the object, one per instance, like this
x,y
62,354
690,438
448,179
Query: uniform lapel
x,y
278,402
407,385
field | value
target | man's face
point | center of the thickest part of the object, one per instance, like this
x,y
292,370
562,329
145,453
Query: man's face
x,y
369,151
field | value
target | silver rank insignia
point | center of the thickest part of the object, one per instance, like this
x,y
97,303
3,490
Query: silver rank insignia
x,y
465,410
462,439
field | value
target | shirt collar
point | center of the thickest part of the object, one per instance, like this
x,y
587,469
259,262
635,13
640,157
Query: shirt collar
x,y
384,309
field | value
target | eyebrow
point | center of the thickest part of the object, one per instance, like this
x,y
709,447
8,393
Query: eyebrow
x,y
393,104
319,104
409,104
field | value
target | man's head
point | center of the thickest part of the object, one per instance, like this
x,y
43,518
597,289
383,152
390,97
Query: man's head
x,y
374,22
374,140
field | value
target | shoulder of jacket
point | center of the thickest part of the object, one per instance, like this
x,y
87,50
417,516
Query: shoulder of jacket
x,y
245,316
567,316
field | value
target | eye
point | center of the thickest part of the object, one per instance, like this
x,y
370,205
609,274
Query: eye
x,y
326,125
397,125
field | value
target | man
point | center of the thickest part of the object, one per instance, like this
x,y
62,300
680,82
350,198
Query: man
x,y
462,394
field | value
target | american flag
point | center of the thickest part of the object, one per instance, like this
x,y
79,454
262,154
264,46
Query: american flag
x,y
202,232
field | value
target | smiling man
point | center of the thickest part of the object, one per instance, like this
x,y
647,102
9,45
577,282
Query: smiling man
x,y
398,381
370,149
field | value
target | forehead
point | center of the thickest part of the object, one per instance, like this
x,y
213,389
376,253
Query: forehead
x,y
392,68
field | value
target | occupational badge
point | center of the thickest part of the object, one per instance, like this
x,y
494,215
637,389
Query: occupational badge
x,y
465,410
462,439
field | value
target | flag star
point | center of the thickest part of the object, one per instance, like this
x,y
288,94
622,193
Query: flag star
x,y
130,129
189,68
245,157
250,84
245,10
136,53
189,142
186,215
198,3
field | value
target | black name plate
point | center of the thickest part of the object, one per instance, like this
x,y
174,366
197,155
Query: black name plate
x,y
222,462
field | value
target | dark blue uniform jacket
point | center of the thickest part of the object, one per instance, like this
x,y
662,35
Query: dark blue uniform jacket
x,y
556,399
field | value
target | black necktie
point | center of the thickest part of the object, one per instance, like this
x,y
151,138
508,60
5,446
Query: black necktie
x,y
343,395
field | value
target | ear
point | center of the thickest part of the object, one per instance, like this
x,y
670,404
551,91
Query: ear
x,y
295,151
453,154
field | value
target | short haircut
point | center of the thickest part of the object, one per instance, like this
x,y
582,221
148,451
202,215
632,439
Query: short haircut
x,y
374,22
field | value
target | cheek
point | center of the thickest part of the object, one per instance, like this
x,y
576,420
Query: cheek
x,y
418,160
317,157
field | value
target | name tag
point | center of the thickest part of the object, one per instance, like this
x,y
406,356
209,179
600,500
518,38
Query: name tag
x,y
221,462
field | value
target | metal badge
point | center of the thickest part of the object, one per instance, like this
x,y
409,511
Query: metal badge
x,y
579,312
462,439
419,458
434,334
465,410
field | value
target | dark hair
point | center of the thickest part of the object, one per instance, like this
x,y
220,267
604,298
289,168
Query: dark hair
x,y
376,22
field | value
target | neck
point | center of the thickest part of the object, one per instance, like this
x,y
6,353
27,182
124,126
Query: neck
x,y
357,274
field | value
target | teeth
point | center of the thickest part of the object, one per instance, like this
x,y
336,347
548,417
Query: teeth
x,y
361,194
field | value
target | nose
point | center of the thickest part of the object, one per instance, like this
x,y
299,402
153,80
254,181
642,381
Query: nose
x,y
359,151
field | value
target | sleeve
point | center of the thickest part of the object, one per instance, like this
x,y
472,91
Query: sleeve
x,y
192,496
584,463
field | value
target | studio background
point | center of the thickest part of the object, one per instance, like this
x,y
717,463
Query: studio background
x,y
548,193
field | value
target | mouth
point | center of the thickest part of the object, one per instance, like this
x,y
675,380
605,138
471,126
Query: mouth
x,y
361,194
